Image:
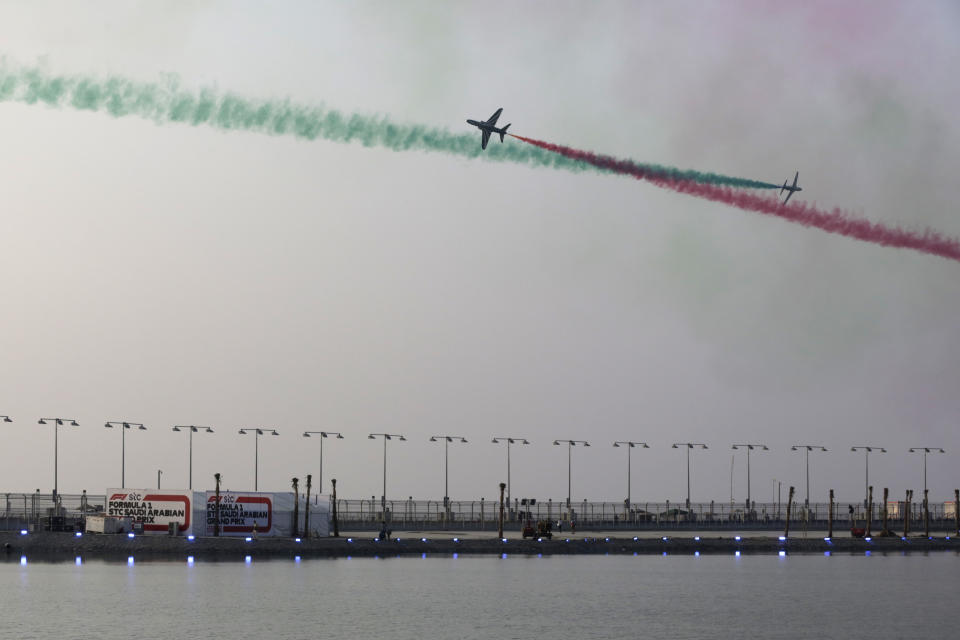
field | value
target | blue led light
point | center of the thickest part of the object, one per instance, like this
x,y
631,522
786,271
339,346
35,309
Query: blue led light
x,y
503,539
783,553
423,555
606,539
248,559
23,561
456,555
191,538
423,539
568,540
903,537
130,535
296,558
736,553
930,538
871,539
737,538
23,532
539,555
665,538
782,538
826,539
503,556
947,538
349,539
696,553
867,552
248,539
78,561
456,539
635,538
539,539
130,561
79,534
664,554
296,539
826,553
697,538
190,560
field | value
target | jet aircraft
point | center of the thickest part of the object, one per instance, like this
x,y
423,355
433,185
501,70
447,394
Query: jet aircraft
x,y
489,126
792,188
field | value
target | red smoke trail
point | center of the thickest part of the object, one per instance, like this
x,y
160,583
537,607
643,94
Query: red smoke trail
x,y
834,221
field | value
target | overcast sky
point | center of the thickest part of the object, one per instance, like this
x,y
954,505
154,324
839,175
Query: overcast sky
x,y
169,274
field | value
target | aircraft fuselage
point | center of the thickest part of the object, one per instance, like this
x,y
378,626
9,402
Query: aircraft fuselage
x,y
483,126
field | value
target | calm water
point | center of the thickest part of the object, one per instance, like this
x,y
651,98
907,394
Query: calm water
x,y
575,598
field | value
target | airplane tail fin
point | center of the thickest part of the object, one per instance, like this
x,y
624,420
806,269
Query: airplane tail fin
x,y
503,131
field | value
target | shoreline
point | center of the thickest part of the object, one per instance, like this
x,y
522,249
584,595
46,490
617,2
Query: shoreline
x,y
54,547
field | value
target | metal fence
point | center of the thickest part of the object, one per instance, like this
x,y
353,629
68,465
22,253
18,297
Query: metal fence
x,y
66,512
44,511
484,514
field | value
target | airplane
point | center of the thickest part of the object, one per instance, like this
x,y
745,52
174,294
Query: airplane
x,y
488,127
791,188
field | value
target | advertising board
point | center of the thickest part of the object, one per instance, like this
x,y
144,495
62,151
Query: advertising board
x,y
153,508
240,514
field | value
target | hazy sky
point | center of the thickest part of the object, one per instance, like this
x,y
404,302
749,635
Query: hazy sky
x,y
169,274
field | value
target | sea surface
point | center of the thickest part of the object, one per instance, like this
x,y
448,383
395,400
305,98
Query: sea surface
x,y
528,597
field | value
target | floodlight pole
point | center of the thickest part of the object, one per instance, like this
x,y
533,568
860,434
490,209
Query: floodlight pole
x,y
749,447
689,446
509,440
257,432
925,451
323,435
570,445
807,448
866,465
57,422
123,445
385,436
446,464
191,429
630,445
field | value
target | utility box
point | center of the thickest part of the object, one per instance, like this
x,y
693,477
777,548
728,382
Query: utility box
x,y
108,524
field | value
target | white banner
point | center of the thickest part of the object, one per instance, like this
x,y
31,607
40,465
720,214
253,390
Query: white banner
x,y
154,508
240,514
263,514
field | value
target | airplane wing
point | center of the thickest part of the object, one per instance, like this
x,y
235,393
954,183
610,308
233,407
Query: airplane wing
x,y
788,197
486,139
795,179
493,118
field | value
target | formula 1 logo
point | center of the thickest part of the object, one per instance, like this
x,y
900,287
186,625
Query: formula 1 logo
x,y
133,497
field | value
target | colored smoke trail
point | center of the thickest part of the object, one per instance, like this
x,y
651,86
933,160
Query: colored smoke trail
x,y
168,103
833,221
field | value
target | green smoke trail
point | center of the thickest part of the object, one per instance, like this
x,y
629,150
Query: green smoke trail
x,y
166,102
